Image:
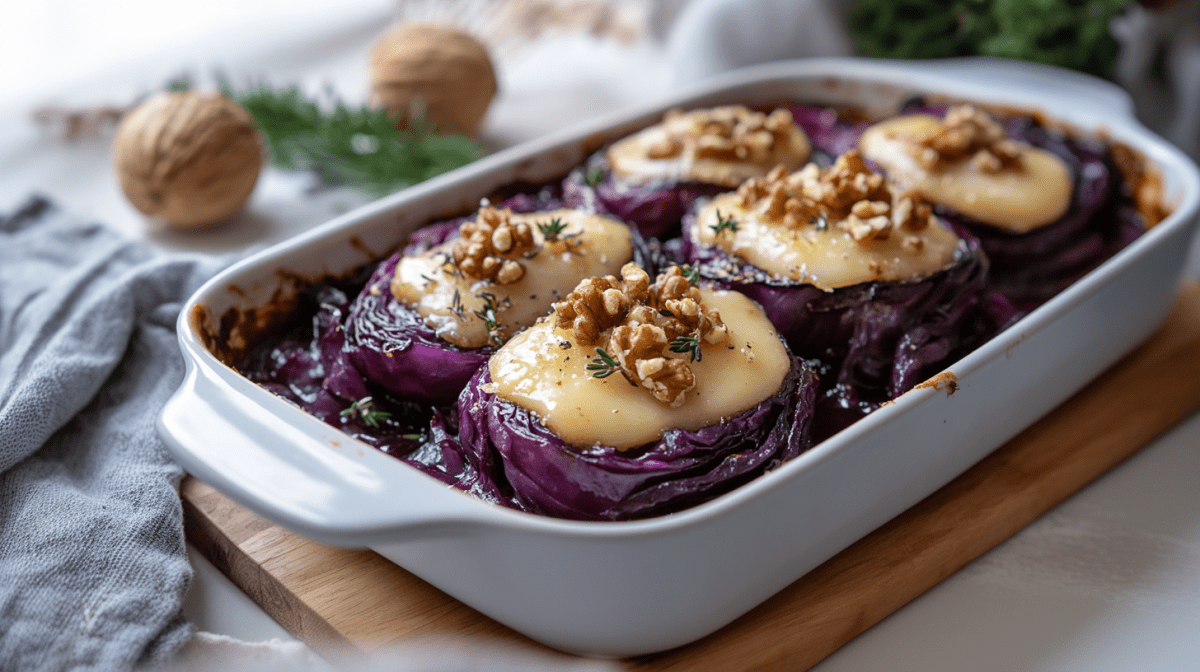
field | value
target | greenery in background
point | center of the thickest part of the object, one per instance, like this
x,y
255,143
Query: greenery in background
x,y
1068,33
356,147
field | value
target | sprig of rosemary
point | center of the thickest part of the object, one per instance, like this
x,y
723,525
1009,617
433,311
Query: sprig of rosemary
x,y
552,228
687,344
724,224
364,409
603,365
354,146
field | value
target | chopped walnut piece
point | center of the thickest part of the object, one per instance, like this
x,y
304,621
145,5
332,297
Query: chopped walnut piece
x,y
969,132
595,305
912,213
664,148
488,247
653,329
668,379
640,341
875,228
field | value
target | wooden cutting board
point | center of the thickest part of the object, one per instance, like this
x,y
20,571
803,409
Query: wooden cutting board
x,y
346,602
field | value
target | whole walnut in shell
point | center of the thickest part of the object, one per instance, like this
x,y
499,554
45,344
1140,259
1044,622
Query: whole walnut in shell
x,y
188,158
443,68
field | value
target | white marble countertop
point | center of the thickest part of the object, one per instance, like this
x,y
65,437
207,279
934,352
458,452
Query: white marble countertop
x,y
1108,580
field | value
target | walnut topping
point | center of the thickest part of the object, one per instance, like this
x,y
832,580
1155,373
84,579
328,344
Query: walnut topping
x,y
848,193
652,330
488,248
732,133
967,131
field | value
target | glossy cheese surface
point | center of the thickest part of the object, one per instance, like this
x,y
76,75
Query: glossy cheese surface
x,y
824,256
631,161
543,370
1020,199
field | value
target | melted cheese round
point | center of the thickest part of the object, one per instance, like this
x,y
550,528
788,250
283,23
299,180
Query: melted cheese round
x,y
630,161
590,245
827,257
537,372
1020,199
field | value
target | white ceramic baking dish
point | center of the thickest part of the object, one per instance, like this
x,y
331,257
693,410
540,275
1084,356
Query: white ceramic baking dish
x,y
618,589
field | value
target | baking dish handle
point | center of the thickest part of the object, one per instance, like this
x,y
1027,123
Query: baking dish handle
x,y
292,469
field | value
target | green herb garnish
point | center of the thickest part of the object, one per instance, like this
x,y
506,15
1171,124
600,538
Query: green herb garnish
x,y
354,146
724,224
594,176
364,409
603,365
690,273
687,344
488,315
552,228
456,305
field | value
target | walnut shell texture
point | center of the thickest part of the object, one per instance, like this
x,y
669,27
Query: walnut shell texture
x,y
188,158
443,68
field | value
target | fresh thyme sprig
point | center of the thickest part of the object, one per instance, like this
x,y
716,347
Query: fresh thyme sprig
x,y
354,146
364,409
687,344
690,273
552,228
488,315
724,224
603,365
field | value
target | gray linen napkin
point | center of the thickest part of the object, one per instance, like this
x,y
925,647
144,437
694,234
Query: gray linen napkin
x,y
93,566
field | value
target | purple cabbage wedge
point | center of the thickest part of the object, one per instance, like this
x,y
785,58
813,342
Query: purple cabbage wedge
x,y
683,469
1027,269
1030,268
872,341
390,344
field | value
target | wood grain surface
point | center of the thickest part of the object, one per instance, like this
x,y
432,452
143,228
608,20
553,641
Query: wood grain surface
x,y
347,602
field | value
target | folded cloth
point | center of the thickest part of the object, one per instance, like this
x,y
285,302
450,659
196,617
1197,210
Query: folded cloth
x,y
93,566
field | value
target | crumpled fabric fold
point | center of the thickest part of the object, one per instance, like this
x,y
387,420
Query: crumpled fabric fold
x,y
93,567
